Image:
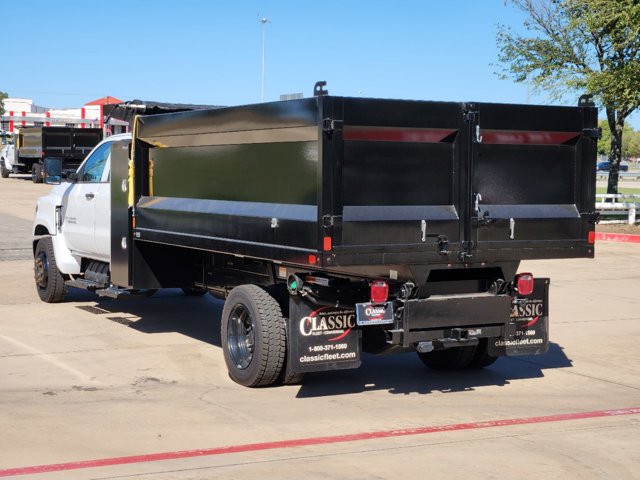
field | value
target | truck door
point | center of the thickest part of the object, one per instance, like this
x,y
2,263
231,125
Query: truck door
x,y
532,180
86,202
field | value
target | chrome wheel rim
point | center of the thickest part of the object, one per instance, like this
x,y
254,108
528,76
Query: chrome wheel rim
x,y
241,337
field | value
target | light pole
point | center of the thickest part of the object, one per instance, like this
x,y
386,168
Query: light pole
x,y
263,21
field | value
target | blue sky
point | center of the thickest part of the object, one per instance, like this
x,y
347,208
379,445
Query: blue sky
x,y
65,53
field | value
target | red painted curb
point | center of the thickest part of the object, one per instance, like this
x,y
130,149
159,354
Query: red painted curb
x,y
303,442
617,237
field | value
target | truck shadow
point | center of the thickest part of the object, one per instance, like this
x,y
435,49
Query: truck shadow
x,y
167,311
199,318
22,176
405,374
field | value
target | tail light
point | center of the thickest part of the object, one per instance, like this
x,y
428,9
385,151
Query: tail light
x,y
327,244
524,283
379,291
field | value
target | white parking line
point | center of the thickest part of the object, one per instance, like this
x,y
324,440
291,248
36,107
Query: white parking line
x,y
51,359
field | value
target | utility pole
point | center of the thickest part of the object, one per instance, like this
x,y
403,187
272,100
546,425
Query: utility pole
x,y
263,21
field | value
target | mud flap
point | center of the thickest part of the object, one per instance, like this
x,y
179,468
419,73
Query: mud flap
x,y
322,338
527,332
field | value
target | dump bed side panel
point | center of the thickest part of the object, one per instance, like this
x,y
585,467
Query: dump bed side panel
x,y
29,143
238,180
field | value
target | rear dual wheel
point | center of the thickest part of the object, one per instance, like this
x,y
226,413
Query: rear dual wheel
x,y
253,336
36,173
457,358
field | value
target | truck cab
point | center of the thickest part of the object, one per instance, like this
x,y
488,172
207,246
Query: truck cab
x,y
75,218
7,159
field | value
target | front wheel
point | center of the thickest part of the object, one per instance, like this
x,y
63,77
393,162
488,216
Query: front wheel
x,y
253,336
49,280
3,170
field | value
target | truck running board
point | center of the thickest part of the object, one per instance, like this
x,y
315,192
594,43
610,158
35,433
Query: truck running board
x,y
84,284
122,294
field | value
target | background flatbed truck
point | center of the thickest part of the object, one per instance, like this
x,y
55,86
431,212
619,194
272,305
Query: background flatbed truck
x,y
333,226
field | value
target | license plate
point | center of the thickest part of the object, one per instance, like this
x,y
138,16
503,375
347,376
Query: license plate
x,y
374,314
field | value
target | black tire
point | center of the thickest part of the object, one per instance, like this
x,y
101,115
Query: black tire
x,y
36,173
253,336
455,358
194,292
49,281
482,358
287,376
3,170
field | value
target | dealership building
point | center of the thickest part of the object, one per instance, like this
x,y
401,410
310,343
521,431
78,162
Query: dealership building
x,y
23,112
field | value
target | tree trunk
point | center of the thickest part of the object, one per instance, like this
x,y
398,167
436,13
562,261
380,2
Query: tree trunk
x,y
616,124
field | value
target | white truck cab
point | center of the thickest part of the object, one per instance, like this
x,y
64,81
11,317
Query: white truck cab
x,y
72,230
7,159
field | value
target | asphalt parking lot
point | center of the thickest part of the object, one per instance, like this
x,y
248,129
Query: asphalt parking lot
x,y
138,389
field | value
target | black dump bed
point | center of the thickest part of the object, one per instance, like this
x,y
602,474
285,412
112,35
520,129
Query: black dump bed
x,y
368,186
68,143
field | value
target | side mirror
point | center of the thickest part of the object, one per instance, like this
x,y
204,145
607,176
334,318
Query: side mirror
x,y
52,171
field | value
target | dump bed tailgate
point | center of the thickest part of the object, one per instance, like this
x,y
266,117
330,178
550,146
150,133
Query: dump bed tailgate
x,y
432,181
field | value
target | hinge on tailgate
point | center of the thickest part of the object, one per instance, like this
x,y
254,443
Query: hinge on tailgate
x,y
591,217
329,125
328,221
443,245
595,133
470,112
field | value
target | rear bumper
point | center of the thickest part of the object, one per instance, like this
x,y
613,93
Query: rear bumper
x,y
513,325
456,317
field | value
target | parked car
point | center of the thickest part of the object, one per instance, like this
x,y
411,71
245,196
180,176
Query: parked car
x,y
606,166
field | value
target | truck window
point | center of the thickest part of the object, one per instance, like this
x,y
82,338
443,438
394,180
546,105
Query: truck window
x,y
91,171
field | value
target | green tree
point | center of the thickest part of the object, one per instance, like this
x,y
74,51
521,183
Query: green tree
x,y
633,148
580,46
3,95
630,141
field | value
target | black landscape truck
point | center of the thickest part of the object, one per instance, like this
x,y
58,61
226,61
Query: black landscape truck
x,y
334,226
34,144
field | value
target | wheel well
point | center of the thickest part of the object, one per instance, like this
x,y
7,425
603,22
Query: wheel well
x,y
39,230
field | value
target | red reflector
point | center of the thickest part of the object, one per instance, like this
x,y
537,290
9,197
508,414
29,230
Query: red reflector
x,y
379,291
524,283
326,244
592,237
313,259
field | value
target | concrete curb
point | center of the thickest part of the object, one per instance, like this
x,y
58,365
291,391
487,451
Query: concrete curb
x,y
617,237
